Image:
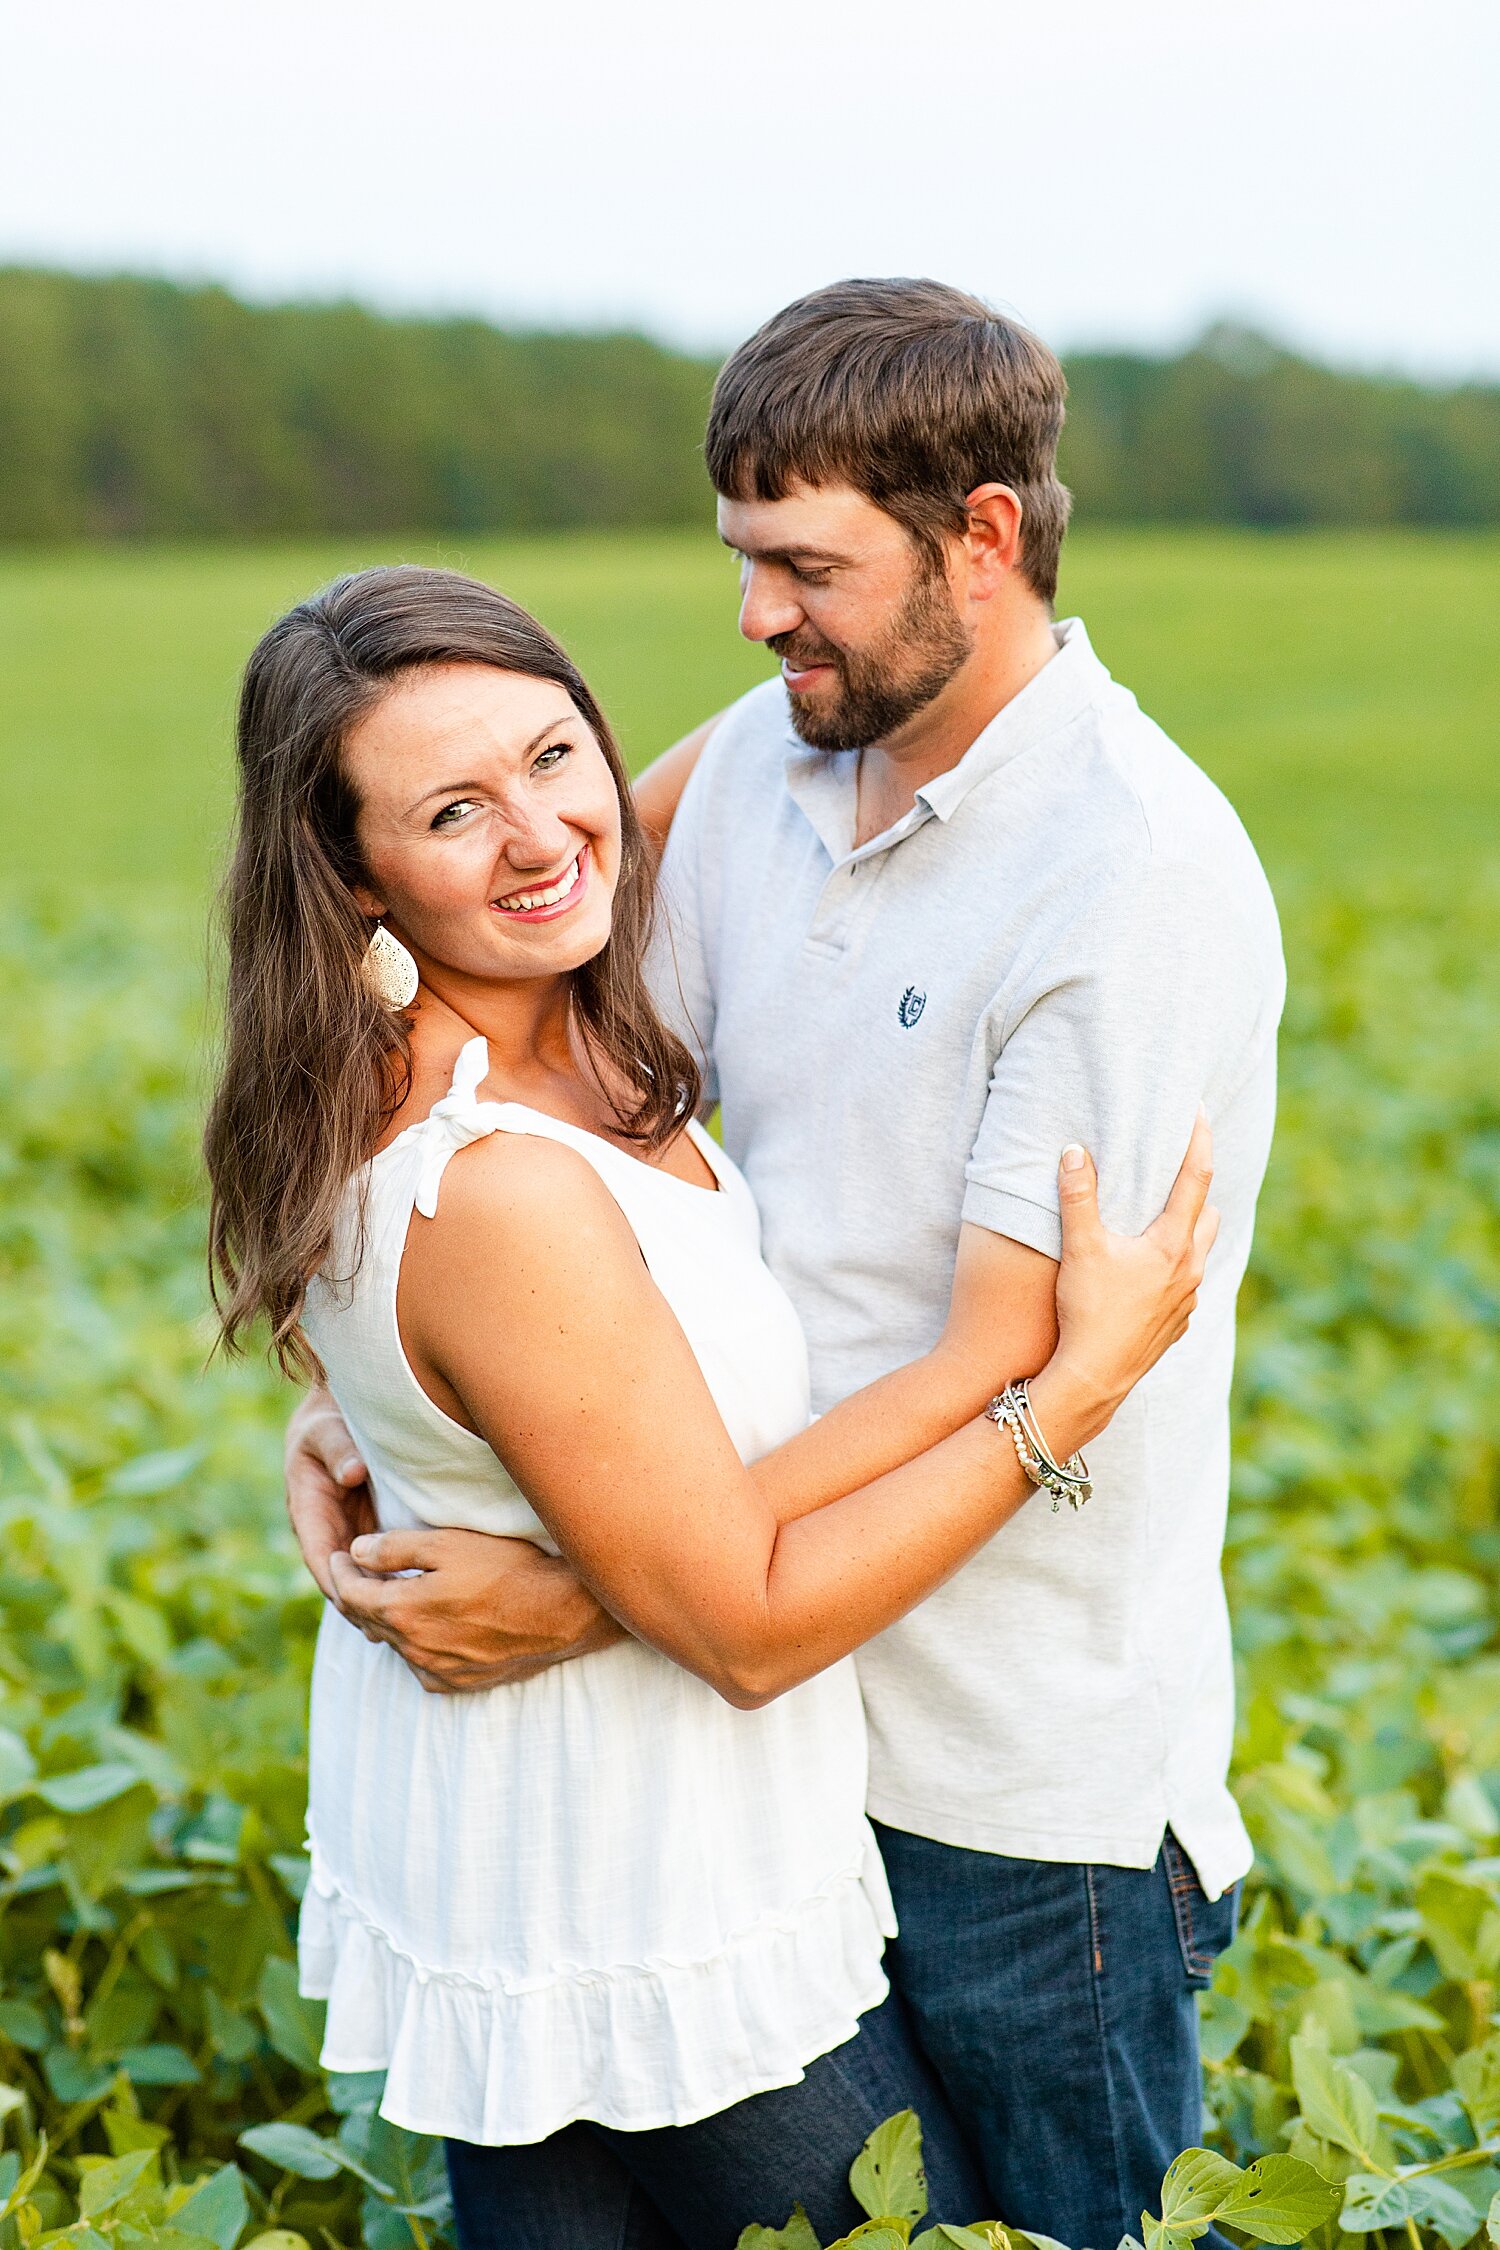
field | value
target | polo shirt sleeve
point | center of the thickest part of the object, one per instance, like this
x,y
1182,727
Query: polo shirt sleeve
x,y
1155,999
682,942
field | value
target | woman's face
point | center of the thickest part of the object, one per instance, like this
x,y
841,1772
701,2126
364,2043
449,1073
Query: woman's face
x,y
488,824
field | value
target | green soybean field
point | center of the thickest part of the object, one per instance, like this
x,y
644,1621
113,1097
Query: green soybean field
x,y
159,2078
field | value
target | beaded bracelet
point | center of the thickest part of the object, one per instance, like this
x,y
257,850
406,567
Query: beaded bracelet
x,y
1066,1480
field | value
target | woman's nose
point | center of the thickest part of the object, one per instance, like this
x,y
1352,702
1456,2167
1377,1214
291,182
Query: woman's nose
x,y
537,839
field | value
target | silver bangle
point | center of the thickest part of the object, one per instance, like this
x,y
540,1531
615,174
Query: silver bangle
x,y
1066,1480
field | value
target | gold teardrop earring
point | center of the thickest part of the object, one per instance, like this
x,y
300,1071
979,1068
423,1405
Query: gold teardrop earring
x,y
389,970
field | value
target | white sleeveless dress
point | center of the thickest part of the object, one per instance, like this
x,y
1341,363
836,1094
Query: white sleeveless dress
x,y
603,1893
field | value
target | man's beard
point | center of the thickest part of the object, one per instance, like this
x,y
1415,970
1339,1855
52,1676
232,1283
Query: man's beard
x,y
884,685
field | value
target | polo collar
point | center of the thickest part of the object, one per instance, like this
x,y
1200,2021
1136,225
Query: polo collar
x,y
824,783
1062,688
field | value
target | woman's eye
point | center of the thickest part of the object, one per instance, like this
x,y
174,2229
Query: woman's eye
x,y
552,756
452,814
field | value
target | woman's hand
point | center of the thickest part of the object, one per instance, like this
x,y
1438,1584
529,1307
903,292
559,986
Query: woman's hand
x,y
1122,1299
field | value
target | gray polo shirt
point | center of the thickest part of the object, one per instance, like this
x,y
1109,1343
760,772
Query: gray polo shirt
x,y
1069,937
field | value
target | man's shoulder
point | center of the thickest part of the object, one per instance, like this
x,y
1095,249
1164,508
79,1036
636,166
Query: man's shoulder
x,y
1135,797
1180,804
748,747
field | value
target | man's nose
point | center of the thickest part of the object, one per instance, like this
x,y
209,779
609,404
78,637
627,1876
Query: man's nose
x,y
768,604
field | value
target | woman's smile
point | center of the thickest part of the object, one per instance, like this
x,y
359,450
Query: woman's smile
x,y
547,901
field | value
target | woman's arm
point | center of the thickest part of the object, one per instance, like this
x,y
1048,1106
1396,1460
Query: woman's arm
x,y
595,1402
1002,1321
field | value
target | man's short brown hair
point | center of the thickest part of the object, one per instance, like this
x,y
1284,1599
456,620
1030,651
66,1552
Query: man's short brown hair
x,y
912,392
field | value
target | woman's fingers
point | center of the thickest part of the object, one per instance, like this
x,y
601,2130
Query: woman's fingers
x,y
1184,1206
1206,1233
1078,1199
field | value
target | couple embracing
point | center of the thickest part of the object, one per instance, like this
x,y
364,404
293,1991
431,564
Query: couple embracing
x,y
739,1712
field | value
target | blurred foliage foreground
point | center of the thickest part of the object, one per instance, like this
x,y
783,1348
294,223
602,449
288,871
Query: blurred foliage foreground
x,y
160,2072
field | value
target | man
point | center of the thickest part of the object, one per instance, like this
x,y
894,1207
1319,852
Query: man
x,y
941,902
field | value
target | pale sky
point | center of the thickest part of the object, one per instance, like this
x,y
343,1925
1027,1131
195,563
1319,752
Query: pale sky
x,y
1114,171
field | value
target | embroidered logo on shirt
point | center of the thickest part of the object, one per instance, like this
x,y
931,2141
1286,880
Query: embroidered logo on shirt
x,y
912,1004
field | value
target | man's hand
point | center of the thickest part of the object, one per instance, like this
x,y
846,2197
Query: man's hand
x,y
484,1611
327,1492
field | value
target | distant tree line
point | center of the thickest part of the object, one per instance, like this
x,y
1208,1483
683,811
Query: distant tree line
x,y
138,408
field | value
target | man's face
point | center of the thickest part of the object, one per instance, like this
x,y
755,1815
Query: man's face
x,y
864,622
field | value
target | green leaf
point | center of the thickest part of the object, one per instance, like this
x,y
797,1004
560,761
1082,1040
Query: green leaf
x,y
217,2207
1195,2186
151,1474
1371,2202
945,2237
295,2024
1223,2022
110,2179
234,2035
70,2079
23,2025
17,1765
887,2176
128,2237
1336,2103
797,2234
1492,2223
877,2234
411,2163
351,2090
1279,2199
294,2149
297,2150
87,1787
125,2131
1477,2078
159,2064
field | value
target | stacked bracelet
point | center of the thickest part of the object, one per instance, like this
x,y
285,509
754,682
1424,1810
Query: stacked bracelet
x,y
1065,1480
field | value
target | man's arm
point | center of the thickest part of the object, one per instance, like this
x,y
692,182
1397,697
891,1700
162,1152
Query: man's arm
x,y
658,791
492,1612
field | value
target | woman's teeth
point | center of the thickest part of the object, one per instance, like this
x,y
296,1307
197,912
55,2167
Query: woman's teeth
x,y
526,902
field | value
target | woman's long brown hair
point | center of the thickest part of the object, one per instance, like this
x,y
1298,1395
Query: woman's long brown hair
x,y
314,1065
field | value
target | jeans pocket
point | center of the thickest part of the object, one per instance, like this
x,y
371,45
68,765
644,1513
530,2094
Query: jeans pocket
x,y
1205,1926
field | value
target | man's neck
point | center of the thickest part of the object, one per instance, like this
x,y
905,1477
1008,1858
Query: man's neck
x,y
891,772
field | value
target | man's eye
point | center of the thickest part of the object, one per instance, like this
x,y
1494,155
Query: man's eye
x,y
812,577
452,814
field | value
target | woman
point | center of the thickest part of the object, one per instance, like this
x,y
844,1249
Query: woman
x,y
614,1932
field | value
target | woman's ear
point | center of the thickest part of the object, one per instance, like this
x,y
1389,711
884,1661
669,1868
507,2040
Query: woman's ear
x,y
367,902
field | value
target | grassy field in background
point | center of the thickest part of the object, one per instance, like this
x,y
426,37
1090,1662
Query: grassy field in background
x,y
157,1622
1342,689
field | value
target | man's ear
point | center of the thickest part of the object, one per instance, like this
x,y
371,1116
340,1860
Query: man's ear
x,y
993,537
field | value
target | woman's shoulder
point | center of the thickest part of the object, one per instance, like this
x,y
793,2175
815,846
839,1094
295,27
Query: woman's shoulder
x,y
529,1198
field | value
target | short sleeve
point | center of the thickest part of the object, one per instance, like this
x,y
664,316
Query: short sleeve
x,y
1158,999
682,945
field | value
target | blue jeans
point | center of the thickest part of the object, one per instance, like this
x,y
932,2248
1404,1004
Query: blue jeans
x,y
1056,2003
693,2187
